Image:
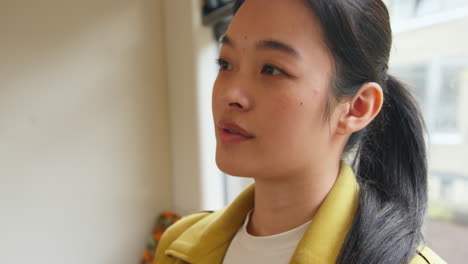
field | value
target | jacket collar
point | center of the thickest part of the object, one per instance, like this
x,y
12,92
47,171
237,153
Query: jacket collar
x,y
323,240
210,237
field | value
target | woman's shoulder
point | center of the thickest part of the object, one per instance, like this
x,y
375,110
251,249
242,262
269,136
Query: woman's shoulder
x,y
427,256
174,231
179,227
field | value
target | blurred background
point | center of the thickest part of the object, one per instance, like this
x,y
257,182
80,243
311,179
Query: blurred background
x,y
430,54
105,121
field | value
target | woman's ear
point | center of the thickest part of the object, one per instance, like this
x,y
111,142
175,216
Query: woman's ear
x,y
361,110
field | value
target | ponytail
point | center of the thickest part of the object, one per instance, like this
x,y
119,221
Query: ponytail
x,y
391,171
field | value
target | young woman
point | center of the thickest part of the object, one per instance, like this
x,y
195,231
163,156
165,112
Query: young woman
x,y
302,86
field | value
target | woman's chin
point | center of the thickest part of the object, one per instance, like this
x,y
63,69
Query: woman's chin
x,y
233,167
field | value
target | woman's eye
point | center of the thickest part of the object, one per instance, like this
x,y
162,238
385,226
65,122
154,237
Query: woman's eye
x,y
271,70
223,65
268,69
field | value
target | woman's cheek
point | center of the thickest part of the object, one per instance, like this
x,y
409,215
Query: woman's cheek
x,y
297,115
286,116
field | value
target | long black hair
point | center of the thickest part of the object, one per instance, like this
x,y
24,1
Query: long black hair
x,y
390,153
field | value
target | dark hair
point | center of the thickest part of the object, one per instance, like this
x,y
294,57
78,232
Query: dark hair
x,y
390,153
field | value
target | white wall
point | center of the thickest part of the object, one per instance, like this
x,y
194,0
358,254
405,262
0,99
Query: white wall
x,y
84,130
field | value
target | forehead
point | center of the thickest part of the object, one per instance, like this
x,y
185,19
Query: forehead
x,y
291,21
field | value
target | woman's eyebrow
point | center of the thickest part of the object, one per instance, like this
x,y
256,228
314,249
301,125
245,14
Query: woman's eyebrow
x,y
266,44
279,46
224,39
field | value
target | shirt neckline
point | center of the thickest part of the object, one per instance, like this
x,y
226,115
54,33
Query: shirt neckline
x,y
282,241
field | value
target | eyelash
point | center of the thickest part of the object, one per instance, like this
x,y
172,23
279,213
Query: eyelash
x,y
223,63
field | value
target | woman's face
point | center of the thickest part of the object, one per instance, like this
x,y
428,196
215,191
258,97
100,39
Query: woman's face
x,y
271,91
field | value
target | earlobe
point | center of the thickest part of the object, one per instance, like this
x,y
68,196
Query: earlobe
x,y
361,109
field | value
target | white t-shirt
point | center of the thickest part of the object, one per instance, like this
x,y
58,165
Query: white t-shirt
x,y
275,249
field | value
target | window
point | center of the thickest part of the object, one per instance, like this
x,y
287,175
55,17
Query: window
x,y
437,87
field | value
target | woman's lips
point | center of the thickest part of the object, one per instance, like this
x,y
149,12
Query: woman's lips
x,y
231,133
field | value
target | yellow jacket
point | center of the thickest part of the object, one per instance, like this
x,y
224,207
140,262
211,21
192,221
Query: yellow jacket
x,y
204,238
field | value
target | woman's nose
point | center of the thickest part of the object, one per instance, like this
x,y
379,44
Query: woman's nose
x,y
233,94
236,105
237,99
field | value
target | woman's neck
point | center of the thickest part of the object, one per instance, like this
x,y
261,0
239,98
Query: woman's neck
x,y
282,205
